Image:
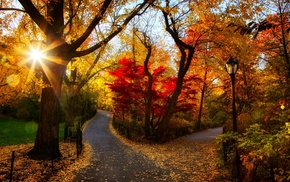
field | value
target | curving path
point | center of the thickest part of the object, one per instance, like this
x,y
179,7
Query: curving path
x,y
204,136
112,160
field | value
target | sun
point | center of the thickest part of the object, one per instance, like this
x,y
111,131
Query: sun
x,y
36,54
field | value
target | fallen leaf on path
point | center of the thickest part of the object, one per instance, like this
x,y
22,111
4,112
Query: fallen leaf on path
x,y
186,160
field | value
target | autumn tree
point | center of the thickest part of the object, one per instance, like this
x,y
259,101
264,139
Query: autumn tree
x,y
64,37
80,71
145,40
270,36
219,42
133,89
274,39
177,20
250,78
147,53
206,60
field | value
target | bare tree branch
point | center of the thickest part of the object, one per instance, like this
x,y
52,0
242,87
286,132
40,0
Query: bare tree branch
x,y
114,33
12,9
39,19
2,85
91,27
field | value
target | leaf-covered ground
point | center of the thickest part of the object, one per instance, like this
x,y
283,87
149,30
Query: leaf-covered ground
x,y
29,170
186,160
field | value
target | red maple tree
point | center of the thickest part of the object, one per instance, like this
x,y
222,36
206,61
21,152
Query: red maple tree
x,y
130,88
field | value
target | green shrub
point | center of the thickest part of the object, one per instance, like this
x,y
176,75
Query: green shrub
x,y
265,156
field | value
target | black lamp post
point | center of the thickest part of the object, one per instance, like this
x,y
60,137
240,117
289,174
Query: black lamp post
x,y
232,66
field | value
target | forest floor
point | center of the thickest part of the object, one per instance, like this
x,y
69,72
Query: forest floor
x,y
186,160
28,170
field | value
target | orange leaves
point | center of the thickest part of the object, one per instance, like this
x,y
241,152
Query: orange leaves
x,y
248,161
193,35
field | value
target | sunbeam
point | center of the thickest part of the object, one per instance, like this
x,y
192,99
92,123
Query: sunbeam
x,y
36,54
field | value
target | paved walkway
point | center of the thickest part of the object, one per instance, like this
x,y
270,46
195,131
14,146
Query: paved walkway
x,y
204,136
113,161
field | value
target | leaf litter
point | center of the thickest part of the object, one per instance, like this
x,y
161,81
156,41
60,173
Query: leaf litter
x,y
29,170
186,160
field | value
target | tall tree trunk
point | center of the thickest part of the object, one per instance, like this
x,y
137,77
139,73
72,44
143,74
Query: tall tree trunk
x,y
185,62
198,123
186,51
285,51
163,126
47,140
149,90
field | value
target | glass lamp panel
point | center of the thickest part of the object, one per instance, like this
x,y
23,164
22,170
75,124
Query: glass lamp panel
x,y
235,68
231,66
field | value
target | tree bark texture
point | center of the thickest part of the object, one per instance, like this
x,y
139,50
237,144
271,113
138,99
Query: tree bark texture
x,y
47,140
149,90
198,123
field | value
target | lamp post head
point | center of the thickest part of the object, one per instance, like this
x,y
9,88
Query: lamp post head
x,y
232,66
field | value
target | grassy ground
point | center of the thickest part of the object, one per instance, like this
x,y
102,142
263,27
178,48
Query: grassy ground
x,y
13,132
